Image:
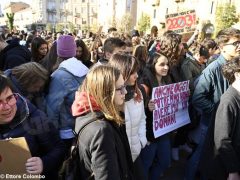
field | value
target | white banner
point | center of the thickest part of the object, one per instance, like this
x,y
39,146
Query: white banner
x,y
171,107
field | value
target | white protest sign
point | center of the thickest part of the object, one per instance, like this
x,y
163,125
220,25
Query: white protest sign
x,y
171,107
182,22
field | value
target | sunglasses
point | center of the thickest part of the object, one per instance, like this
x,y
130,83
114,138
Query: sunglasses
x,y
235,44
122,89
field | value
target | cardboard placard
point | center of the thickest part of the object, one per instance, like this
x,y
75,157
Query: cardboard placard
x,y
183,22
13,156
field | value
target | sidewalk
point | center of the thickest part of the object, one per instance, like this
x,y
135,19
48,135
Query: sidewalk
x,y
176,171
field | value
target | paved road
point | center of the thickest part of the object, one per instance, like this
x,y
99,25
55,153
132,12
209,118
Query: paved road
x,y
176,171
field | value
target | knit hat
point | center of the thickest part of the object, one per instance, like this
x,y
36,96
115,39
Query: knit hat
x,y
66,46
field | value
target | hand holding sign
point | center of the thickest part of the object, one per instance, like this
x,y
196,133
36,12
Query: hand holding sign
x,y
151,105
34,165
14,154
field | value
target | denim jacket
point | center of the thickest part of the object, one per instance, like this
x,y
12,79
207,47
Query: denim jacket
x,y
210,87
64,83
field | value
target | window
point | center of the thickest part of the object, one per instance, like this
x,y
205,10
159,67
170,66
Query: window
x,y
50,18
84,21
154,13
212,7
83,10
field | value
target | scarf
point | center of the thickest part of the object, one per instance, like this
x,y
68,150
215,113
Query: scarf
x,y
81,104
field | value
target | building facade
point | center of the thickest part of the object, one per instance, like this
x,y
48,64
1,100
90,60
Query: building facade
x,y
88,15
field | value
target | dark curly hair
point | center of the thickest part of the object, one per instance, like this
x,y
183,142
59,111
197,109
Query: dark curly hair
x,y
230,68
200,49
169,46
224,35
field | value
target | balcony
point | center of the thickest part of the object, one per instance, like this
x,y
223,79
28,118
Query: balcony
x,y
156,2
66,13
52,10
77,15
178,1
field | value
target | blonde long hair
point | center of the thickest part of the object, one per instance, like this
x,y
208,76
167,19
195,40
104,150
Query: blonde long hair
x,y
100,84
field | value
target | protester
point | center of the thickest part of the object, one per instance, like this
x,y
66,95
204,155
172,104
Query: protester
x,y
83,54
31,88
128,47
192,66
111,46
170,45
141,54
135,118
39,49
103,146
63,84
112,32
227,123
213,50
210,87
13,54
156,156
50,60
18,118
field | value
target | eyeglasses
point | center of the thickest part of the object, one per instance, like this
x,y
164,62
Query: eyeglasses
x,y
235,44
10,100
122,89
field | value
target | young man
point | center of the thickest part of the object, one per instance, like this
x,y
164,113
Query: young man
x,y
111,46
18,118
210,87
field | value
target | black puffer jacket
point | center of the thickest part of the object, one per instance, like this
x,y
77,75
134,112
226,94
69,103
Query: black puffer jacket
x,y
103,149
41,135
14,55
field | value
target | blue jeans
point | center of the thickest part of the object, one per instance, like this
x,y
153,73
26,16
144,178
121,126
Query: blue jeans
x,y
156,158
192,164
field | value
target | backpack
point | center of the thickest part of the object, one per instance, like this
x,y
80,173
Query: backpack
x,y
71,167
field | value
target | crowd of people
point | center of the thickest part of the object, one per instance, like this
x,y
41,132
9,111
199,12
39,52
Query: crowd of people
x,y
53,86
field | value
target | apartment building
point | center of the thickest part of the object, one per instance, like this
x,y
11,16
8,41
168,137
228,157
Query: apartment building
x,y
90,14
23,18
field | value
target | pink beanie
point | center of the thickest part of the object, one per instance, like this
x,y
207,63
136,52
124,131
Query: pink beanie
x,y
66,46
